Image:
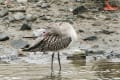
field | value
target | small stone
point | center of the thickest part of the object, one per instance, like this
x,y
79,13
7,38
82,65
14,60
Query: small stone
x,y
30,17
26,26
88,52
16,9
45,5
80,1
19,43
79,9
11,18
33,0
81,31
97,24
22,1
86,16
3,12
2,1
91,38
19,16
106,32
45,18
77,56
101,16
3,37
21,55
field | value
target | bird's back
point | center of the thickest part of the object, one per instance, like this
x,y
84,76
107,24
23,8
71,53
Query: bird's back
x,y
52,42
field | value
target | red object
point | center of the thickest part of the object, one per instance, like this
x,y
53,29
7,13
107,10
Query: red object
x,y
108,7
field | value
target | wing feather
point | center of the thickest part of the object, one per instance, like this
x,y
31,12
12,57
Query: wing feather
x,y
52,42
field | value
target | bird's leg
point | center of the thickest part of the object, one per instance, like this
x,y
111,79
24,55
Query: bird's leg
x,y
59,61
52,62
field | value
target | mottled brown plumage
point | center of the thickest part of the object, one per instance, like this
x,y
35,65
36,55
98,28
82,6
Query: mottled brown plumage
x,y
52,42
60,36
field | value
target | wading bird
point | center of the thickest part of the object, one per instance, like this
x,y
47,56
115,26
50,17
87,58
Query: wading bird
x,y
61,35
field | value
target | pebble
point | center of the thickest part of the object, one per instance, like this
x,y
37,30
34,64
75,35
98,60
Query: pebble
x,y
79,9
30,17
20,9
22,1
77,56
26,26
40,3
95,52
19,16
107,32
45,5
3,12
11,18
45,18
90,38
1,1
97,24
3,37
81,31
82,1
33,0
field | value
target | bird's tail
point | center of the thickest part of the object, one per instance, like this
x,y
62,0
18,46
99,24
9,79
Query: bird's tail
x,y
25,48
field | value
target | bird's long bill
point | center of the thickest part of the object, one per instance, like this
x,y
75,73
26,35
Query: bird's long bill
x,y
30,37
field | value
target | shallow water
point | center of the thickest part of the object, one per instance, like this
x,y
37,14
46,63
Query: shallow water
x,y
37,67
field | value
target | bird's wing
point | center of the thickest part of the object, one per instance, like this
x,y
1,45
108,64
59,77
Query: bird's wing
x,y
52,42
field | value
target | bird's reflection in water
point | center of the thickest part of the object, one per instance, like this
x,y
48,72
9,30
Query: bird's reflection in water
x,y
78,63
53,76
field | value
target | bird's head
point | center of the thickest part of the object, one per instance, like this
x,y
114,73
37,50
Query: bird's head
x,y
40,32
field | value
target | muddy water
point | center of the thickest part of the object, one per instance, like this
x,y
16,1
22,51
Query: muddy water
x,y
37,67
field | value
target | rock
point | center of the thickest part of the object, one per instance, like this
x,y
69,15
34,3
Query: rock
x,y
79,9
45,18
26,26
11,18
19,16
106,32
3,37
21,55
81,31
30,17
77,56
42,4
97,24
22,1
18,43
82,1
102,16
3,12
45,5
2,1
91,38
20,9
88,52
33,0
86,16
